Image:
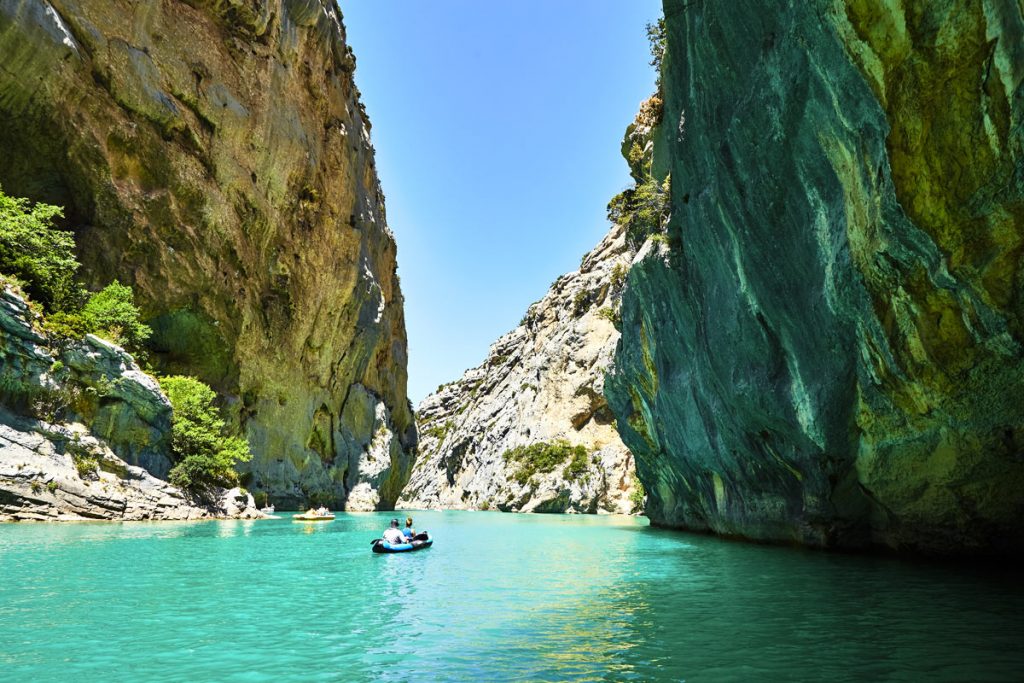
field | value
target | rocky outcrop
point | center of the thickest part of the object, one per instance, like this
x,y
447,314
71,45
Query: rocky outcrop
x,y
216,157
828,347
43,478
92,382
541,383
83,431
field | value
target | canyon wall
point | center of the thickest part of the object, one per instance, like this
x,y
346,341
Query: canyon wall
x,y
826,348
216,156
542,383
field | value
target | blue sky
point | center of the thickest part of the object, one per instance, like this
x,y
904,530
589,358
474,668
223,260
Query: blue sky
x,y
497,128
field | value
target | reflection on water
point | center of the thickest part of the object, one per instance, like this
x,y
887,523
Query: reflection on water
x,y
498,598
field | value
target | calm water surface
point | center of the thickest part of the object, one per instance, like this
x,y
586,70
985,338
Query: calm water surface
x,y
498,598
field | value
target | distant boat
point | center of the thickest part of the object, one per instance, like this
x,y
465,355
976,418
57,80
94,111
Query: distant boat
x,y
269,510
306,517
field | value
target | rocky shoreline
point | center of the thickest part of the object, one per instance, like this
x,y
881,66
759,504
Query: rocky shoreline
x,y
41,480
84,433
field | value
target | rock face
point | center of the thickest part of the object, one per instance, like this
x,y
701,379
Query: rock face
x,y
828,349
83,431
92,382
215,156
40,481
542,382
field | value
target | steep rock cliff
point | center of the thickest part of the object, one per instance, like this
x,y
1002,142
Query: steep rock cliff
x,y
216,156
83,431
541,383
828,348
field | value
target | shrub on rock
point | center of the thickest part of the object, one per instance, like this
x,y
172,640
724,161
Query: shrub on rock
x,y
37,254
204,451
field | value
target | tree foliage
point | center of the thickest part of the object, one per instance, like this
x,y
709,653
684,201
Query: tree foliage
x,y
205,453
642,210
37,254
638,496
657,37
112,313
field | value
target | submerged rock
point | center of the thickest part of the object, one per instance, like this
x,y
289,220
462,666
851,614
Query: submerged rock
x,y
828,348
541,383
216,156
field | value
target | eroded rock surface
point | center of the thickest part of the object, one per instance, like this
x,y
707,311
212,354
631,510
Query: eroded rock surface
x,y
83,431
215,156
828,349
540,383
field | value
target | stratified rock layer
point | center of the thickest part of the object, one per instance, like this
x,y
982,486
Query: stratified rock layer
x,y
83,431
215,156
828,349
542,382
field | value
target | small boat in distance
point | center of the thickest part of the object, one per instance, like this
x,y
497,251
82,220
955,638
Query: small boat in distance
x,y
320,514
269,510
306,517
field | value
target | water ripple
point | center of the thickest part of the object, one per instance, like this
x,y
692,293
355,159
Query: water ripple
x,y
542,598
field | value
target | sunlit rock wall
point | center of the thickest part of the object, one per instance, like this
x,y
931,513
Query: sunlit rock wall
x,y
541,383
215,156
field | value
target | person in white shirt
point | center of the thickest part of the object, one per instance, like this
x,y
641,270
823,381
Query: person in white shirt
x,y
393,534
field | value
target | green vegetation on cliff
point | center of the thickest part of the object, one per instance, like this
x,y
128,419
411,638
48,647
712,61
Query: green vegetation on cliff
x,y
109,313
36,254
112,313
642,209
41,259
203,450
543,458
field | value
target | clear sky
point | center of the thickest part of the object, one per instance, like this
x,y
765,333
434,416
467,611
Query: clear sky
x,y
497,127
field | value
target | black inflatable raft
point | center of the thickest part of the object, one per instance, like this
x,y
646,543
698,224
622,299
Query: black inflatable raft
x,y
420,541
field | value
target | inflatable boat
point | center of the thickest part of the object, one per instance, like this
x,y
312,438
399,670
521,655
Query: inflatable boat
x,y
420,541
312,518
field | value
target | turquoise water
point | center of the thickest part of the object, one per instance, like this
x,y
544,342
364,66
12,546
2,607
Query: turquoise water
x,y
498,598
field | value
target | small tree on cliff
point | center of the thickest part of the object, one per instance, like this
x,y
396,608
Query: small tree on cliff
x,y
111,312
204,451
642,209
658,38
37,254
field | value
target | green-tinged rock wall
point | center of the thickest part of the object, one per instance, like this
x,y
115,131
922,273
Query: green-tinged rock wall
x,y
828,347
216,156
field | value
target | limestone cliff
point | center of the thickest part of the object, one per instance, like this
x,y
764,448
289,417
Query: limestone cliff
x,y
828,348
83,431
215,156
541,383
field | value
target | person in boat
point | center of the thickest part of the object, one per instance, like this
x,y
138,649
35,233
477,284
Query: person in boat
x,y
393,534
408,531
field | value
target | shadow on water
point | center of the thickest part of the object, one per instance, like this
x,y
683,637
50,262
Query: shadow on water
x,y
499,598
721,610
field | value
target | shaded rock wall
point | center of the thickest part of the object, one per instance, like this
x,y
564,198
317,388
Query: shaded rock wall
x,y
828,348
216,156
541,382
